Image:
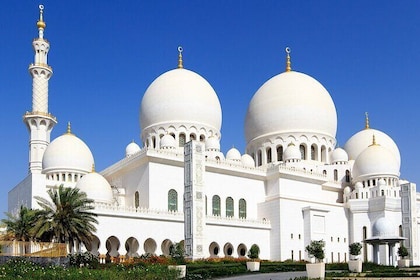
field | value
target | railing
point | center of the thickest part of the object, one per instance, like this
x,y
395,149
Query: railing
x,y
33,249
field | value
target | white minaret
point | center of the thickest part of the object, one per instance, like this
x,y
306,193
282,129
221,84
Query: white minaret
x,y
39,122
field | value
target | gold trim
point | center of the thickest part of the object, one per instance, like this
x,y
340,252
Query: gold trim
x,y
366,120
180,63
288,62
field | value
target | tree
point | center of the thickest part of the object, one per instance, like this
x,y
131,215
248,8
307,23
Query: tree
x,y
316,249
355,248
254,252
21,226
66,216
402,251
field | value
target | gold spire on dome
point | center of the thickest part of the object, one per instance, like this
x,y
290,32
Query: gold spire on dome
x,y
180,50
68,128
93,168
366,120
288,63
41,23
373,141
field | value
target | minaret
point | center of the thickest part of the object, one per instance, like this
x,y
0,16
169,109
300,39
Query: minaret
x,y
39,122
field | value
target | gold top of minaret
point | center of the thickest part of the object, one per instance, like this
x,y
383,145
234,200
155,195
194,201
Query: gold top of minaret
x,y
180,50
366,120
288,63
41,23
68,128
373,141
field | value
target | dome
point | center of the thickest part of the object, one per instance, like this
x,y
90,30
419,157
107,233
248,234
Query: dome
x,y
247,160
375,161
290,102
361,140
233,154
212,143
180,96
292,152
167,142
383,227
347,190
67,153
96,187
339,155
131,149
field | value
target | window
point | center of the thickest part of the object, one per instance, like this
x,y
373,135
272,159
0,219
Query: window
x,y
302,152
269,155
347,176
192,136
216,205
182,140
313,152
291,236
172,200
335,175
136,199
242,208
229,207
280,153
259,158
206,203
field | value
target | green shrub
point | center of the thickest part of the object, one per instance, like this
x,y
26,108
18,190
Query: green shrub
x,y
316,249
83,259
355,248
254,252
402,251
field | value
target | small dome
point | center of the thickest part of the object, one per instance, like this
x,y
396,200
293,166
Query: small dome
x,y
361,140
381,183
96,187
167,142
212,144
347,190
358,186
339,155
247,160
233,154
375,161
67,153
180,96
288,103
383,227
291,153
215,155
131,149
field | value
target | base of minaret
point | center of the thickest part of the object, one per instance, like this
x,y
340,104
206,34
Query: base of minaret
x,y
194,200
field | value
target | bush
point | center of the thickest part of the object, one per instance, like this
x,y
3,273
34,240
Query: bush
x,y
177,253
316,249
402,251
355,248
83,259
254,252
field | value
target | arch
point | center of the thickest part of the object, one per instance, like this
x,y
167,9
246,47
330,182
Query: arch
x,y
214,249
112,246
229,207
172,200
323,154
364,234
166,247
269,157
182,139
216,205
279,150
242,249
302,150
242,208
313,152
348,176
149,246
132,246
228,249
93,245
335,175
202,138
259,158
193,136
136,199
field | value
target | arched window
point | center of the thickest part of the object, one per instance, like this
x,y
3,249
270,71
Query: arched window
x,y
192,136
153,142
335,175
181,140
216,205
268,151
229,207
206,203
242,208
347,176
259,158
172,200
280,153
202,138
136,199
313,152
302,152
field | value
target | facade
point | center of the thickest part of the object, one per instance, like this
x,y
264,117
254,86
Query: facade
x,y
291,186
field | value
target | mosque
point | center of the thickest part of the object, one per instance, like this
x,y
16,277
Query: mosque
x,y
291,185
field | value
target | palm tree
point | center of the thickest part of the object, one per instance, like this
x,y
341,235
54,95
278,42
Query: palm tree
x,y
20,226
66,216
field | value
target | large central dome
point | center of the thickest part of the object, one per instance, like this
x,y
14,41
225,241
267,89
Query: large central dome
x,y
180,96
288,103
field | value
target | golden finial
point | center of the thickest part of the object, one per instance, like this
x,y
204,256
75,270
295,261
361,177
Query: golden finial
x,y
41,23
180,50
288,63
366,120
68,128
93,168
373,141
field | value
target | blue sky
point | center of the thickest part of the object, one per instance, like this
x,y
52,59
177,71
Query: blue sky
x,y
105,54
